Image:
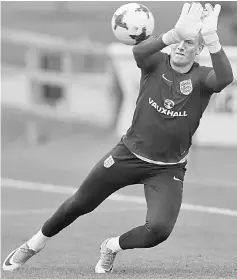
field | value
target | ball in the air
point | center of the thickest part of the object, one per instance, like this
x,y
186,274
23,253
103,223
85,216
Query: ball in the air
x,y
132,23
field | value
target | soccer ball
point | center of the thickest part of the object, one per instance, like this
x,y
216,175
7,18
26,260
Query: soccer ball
x,y
132,23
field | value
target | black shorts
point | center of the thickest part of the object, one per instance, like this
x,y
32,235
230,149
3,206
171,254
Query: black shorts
x,y
120,168
120,161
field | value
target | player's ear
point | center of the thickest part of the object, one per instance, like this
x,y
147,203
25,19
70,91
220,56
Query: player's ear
x,y
200,44
199,49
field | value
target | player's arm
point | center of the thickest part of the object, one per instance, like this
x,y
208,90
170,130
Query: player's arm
x,y
222,74
147,53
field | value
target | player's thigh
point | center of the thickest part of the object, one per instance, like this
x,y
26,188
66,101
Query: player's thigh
x,y
113,172
163,195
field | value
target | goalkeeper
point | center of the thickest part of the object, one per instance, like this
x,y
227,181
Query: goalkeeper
x,y
174,92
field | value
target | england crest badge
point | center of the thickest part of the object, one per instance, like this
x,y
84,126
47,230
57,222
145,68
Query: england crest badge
x,y
109,162
186,87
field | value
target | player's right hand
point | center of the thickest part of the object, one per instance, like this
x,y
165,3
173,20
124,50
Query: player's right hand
x,y
189,23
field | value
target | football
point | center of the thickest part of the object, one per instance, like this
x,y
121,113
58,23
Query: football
x,y
132,23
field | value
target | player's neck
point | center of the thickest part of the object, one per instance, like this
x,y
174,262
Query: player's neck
x,y
181,69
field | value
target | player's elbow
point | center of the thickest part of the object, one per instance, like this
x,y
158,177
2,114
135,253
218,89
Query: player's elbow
x,y
225,82
231,79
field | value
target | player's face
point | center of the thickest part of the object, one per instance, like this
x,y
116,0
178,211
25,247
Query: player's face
x,y
184,53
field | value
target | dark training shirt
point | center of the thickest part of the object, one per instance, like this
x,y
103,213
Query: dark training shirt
x,y
170,104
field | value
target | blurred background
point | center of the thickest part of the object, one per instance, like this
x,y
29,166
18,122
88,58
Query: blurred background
x,y
68,91
64,75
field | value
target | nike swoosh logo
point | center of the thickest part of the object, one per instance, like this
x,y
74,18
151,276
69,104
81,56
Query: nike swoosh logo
x,y
7,261
175,178
166,78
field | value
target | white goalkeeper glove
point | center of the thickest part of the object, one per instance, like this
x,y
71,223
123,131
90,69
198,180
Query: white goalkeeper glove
x,y
209,28
188,25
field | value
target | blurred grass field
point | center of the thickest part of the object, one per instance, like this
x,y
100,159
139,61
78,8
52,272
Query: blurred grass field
x,y
202,245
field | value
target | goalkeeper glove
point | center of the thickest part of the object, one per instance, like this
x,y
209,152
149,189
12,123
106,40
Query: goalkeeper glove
x,y
188,25
209,28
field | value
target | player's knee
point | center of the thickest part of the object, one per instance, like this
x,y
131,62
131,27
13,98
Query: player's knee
x,y
159,232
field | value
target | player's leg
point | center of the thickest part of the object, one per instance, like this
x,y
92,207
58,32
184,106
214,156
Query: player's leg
x,y
110,174
164,196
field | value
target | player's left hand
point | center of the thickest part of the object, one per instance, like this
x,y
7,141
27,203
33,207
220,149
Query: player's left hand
x,y
210,19
209,27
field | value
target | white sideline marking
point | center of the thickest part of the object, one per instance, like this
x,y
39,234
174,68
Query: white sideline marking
x,y
5,182
27,211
